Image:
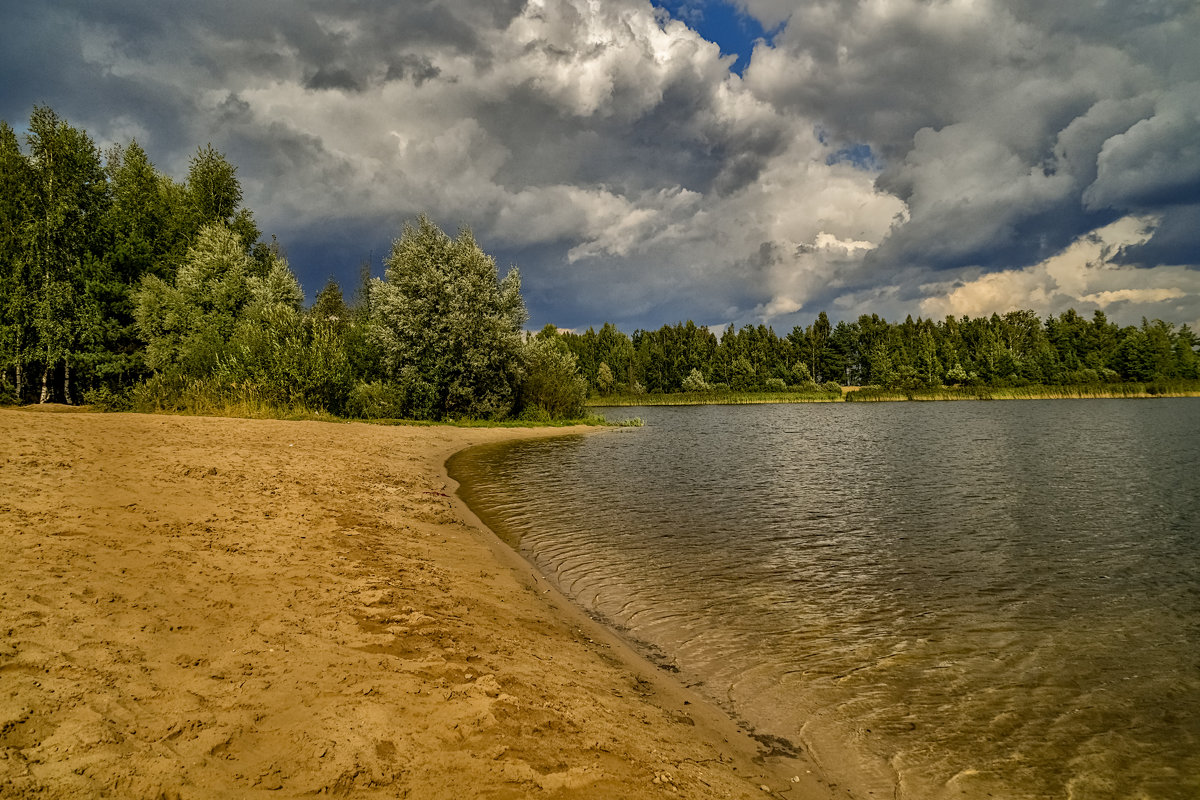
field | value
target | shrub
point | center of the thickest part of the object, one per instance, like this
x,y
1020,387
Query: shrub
x,y
695,382
552,381
105,399
832,387
775,385
447,327
375,400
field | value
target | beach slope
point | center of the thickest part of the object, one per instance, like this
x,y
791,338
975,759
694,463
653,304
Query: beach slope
x,y
201,607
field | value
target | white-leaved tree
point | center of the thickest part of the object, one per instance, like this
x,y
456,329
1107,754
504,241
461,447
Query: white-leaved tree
x,y
186,323
447,327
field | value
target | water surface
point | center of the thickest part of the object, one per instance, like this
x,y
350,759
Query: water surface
x,y
964,599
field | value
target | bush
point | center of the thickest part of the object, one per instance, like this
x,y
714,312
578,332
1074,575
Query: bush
x,y
375,400
105,399
695,382
552,381
832,387
534,414
775,385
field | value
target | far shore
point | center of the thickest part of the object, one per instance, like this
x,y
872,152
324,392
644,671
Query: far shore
x,y
876,394
201,607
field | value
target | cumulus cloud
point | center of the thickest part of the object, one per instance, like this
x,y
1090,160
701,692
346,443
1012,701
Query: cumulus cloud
x,y
911,154
1086,276
1008,129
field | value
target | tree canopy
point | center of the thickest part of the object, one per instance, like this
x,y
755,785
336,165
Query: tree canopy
x,y
447,327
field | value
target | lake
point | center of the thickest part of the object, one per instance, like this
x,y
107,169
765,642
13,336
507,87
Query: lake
x,y
959,599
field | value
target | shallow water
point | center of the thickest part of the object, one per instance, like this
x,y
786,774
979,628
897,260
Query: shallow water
x,y
965,599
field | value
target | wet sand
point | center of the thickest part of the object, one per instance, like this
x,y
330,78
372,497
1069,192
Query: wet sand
x,y
197,607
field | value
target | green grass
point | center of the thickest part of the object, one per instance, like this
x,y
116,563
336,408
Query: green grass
x,y
1176,388
1037,392
712,398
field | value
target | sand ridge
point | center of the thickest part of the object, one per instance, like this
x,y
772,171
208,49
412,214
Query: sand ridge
x,y
202,607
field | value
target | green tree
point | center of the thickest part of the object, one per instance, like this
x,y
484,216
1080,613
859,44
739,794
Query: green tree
x,y
330,306
605,382
17,334
214,194
186,323
551,387
291,359
1185,354
695,382
447,328
817,337
68,201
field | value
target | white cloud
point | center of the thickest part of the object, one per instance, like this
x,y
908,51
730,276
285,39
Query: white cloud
x,y
1085,276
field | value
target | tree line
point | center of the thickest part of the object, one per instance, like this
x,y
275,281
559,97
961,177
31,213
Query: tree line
x,y
123,287
1013,349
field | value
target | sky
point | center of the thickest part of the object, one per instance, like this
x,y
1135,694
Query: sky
x,y
744,162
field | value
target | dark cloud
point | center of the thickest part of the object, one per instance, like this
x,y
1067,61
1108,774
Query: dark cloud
x,y
1174,241
417,69
341,79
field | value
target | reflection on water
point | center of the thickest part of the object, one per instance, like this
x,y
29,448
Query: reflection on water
x,y
973,599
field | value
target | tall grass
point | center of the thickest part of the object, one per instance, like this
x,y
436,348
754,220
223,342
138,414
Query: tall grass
x,y
1177,388
714,398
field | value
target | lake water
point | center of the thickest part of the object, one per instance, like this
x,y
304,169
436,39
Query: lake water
x,y
959,600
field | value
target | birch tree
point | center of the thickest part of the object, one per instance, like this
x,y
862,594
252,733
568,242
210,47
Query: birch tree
x,y
16,299
68,200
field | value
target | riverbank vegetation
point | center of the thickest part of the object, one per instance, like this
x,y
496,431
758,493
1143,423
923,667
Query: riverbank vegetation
x,y
123,288
1163,388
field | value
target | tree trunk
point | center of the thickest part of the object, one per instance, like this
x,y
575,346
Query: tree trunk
x,y
45,385
67,383
17,367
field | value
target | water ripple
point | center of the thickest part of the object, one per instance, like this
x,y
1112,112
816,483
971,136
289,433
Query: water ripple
x,y
976,598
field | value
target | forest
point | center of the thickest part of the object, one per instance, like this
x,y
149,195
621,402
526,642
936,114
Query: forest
x,y
124,288
1016,349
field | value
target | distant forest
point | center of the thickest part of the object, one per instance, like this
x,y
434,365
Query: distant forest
x,y
1013,349
122,287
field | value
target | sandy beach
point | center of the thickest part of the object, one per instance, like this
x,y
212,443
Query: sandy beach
x,y
201,607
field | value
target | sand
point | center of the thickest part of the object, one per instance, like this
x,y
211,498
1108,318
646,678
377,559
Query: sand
x,y
199,607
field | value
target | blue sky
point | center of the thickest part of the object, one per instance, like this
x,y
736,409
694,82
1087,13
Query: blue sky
x,y
724,23
870,156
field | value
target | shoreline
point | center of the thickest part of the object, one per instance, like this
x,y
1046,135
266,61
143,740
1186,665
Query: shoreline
x,y
205,607
796,771
856,394
826,766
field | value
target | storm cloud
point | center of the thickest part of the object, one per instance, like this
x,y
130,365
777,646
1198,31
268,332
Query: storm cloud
x,y
890,156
